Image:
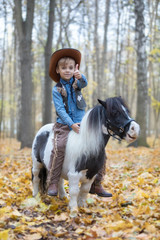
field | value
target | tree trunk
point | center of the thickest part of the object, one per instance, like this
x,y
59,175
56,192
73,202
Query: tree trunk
x,y
96,56
117,83
152,74
142,89
2,69
24,29
104,53
12,96
60,13
47,107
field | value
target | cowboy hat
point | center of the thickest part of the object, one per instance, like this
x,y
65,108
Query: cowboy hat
x,y
56,56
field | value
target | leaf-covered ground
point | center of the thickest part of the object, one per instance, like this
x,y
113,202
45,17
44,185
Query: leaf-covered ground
x,y
132,176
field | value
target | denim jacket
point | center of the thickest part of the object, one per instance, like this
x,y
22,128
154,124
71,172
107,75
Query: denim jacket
x,y
68,100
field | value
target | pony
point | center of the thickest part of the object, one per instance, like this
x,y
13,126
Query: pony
x,y
85,151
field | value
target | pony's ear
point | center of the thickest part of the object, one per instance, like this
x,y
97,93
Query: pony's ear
x,y
102,103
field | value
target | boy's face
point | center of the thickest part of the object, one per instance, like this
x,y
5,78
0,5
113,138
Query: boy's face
x,y
66,69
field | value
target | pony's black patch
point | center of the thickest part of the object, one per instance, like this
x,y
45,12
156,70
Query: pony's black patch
x,y
40,145
92,163
43,179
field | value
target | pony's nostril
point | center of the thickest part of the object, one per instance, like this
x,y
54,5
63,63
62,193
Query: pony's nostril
x,y
132,128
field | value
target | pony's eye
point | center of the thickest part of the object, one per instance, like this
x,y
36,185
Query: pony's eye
x,y
121,129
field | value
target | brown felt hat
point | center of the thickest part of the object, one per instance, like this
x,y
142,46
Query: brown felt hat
x,y
56,56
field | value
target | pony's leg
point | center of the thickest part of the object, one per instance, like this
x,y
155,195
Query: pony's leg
x,y
73,192
84,190
61,190
35,176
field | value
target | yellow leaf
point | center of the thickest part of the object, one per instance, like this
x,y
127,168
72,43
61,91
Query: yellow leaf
x,y
2,202
59,234
145,195
155,181
141,210
4,235
15,214
88,221
155,192
4,210
157,223
53,207
140,180
30,202
61,217
146,175
117,226
150,227
34,236
43,207
99,231
20,229
140,194
79,230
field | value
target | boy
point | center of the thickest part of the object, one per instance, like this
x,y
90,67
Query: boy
x,y
69,105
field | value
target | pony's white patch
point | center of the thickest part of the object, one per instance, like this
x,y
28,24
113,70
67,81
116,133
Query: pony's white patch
x,y
48,149
35,171
61,190
124,109
133,132
78,195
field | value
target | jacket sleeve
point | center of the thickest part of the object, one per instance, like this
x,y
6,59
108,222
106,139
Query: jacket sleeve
x,y
82,82
60,109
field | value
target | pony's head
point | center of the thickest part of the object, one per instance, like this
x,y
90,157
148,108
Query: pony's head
x,y
118,123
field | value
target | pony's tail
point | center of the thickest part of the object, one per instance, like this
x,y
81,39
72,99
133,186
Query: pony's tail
x,y
43,180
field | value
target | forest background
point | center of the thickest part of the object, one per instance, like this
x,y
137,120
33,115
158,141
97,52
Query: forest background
x,y
119,42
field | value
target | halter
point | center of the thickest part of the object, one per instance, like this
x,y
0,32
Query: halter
x,y
117,132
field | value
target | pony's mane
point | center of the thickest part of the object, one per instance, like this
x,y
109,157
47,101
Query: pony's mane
x,y
91,129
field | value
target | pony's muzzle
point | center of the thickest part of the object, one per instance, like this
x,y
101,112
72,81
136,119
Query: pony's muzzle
x,y
133,132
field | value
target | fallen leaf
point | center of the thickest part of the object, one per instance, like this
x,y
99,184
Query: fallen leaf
x,y
35,236
4,235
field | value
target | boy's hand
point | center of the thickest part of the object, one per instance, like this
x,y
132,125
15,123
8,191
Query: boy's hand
x,y
76,127
77,73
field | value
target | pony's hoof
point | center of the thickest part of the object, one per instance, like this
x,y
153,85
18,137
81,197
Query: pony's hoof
x,y
73,212
82,204
63,196
34,194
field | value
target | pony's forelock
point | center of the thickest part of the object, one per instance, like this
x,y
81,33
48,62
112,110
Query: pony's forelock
x,y
116,103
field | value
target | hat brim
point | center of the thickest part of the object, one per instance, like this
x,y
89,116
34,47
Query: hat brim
x,y
56,56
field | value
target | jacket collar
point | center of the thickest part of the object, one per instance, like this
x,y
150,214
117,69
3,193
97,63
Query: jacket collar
x,y
66,82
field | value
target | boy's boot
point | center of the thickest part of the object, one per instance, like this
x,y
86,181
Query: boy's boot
x,y
53,189
96,187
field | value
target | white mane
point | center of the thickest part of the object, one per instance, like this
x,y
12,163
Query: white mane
x,y
89,140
